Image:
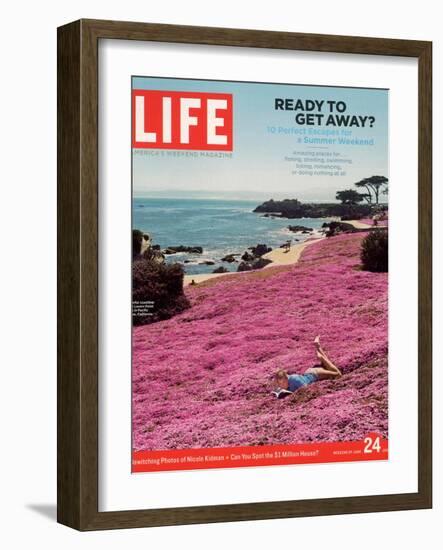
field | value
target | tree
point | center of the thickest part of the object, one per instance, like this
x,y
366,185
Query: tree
x,y
377,184
368,195
373,185
349,196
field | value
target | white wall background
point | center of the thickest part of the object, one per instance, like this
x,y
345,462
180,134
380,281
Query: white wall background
x,y
28,270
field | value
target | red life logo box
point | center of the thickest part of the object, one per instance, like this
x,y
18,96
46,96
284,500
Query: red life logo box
x,y
181,120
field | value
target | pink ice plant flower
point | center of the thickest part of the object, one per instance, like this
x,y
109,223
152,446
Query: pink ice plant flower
x,y
201,379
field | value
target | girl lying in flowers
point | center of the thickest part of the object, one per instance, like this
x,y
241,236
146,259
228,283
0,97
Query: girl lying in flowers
x,y
289,383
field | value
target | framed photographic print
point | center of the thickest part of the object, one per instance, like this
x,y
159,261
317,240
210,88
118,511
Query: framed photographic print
x,y
236,340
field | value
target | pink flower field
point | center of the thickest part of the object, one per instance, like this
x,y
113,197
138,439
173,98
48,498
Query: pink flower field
x,y
201,379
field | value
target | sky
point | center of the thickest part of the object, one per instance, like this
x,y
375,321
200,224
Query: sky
x,y
257,167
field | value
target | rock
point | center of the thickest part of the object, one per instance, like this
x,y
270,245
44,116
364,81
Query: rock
x,y
244,266
294,209
299,229
334,228
247,257
221,269
140,242
181,248
260,250
142,246
229,258
207,262
279,207
260,263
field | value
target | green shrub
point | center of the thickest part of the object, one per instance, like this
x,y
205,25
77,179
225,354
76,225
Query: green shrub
x,y
374,251
157,291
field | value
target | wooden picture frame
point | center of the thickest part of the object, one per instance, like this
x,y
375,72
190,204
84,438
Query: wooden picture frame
x,y
78,273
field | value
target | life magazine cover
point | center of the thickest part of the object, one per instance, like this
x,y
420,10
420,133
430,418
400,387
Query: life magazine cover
x,y
259,274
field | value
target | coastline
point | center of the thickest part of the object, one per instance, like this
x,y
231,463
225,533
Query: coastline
x,y
277,256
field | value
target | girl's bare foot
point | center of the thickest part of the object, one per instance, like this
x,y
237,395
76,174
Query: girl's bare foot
x,y
317,342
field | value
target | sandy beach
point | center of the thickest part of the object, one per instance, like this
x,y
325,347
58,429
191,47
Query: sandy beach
x,y
203,277
358,224
278,256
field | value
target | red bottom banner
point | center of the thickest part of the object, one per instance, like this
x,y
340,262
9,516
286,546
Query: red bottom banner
x,y
372,447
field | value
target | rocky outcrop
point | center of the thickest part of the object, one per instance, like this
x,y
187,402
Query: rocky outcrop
x,y
221,269
182,248
258,263
230,258
300,229
253,259
245,266
248,257
294,209
140,242
335,228
142,246
259,250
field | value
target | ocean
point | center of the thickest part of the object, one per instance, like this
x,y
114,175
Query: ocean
x,y
220,227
